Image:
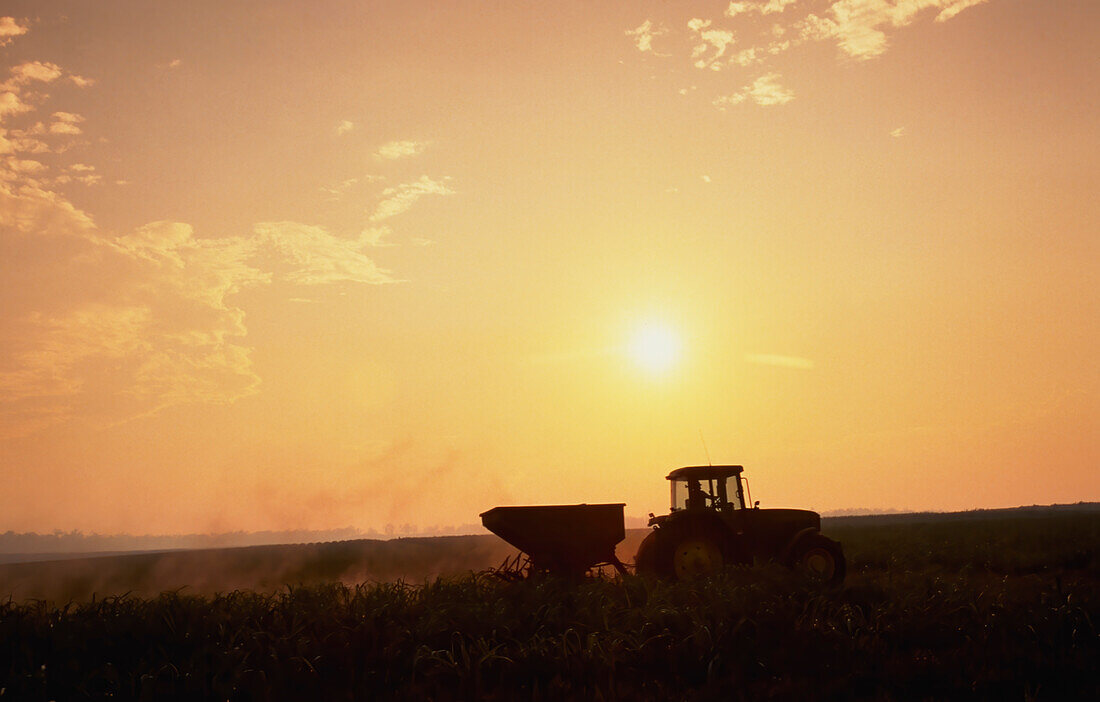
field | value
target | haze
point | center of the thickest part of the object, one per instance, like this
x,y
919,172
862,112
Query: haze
x,y
316,265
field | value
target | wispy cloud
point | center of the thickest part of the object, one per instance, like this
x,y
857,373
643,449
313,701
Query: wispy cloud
x,y
765,91
152,327
400,149
337,191
400,198
643,36
897,132
28,206
318,257
950,9
344,126
156,325
375,236
146,319
769,359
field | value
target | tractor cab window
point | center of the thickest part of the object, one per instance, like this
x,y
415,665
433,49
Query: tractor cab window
x,y
703,494
681,490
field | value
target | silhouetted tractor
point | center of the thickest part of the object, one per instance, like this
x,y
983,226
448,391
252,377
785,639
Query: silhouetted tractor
x,y
708,528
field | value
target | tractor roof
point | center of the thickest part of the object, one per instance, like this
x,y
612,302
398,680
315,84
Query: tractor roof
x,y
704,472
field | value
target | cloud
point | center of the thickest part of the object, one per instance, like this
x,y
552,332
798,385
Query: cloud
x,y
336,192
773,6
104,327
768,359
23,141
400,149
643,36
375,236
65,123
765,91
10,104
950,9
859,26
107,328
746,57
142,319
897,132
147,319
9,29
344,127
717,39
29,207
34,71
319,257
399,199
739,8
18,165
764,8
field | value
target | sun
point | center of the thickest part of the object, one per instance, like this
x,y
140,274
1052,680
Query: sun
x,y
654,347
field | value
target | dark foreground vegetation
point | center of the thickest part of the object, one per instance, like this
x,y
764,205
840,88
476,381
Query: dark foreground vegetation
x,y
1000,608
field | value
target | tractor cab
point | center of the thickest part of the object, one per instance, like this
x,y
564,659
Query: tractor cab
x,y
707,487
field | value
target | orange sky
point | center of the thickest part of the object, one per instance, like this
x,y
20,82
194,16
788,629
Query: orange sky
x,y
310,265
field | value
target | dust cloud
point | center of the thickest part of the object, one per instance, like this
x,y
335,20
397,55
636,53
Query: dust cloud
x,y
262,568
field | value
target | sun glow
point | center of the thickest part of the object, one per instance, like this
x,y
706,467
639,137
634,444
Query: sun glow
x,y
654,347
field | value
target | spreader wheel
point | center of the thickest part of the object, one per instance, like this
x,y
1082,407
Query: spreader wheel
x,y
820,559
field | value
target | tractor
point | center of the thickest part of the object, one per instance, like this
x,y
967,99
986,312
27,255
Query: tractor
x,y
708,528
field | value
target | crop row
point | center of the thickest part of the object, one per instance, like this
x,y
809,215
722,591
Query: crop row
x,y
752,634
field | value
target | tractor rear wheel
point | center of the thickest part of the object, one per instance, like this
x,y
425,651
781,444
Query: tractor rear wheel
x,y
683,552
820,559
697,556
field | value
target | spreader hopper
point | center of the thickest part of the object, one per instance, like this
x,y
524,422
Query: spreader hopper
x,y
561,539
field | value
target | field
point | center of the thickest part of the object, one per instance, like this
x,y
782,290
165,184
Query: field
x,y
1000,605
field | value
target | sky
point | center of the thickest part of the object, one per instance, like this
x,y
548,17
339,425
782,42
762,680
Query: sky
x,y
309,265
